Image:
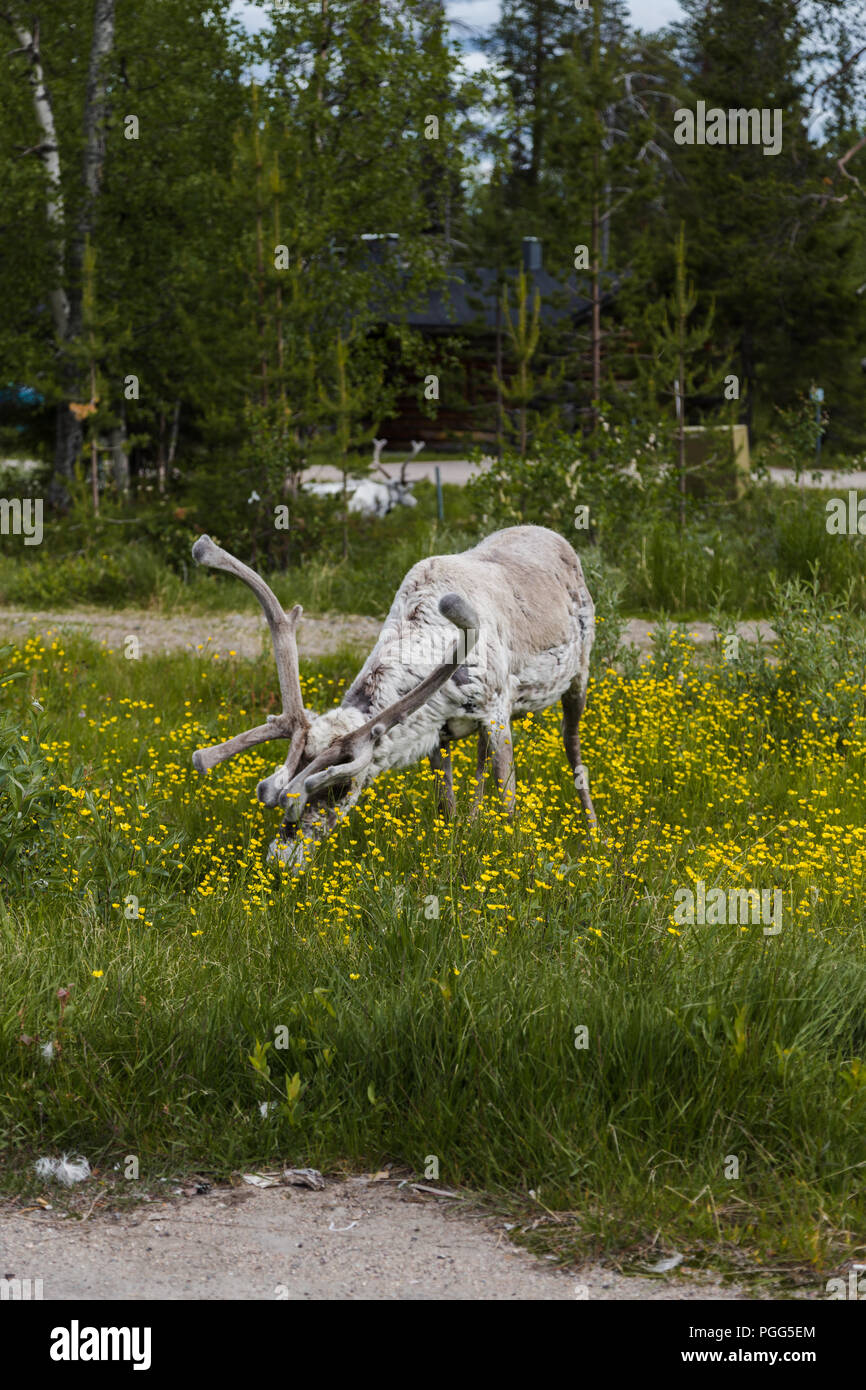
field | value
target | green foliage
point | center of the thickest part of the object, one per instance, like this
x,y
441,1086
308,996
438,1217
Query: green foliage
x,y
516,491
616,475
521,389
30,836
812,672
133,573
676,364
791,438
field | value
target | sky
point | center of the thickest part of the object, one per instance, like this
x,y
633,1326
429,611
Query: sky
x,y
480,14
646,14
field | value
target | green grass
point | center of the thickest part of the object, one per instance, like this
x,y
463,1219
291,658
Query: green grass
x,y
144,559
407,1035
728,553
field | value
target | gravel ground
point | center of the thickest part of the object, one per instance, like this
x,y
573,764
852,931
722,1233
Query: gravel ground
x,y
246,634
358,1239
243,633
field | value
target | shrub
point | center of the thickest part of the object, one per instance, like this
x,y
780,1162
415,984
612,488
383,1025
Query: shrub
x,y
813,673
29,803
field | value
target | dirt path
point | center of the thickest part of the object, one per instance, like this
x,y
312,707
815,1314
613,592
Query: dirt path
x,y
246,634
359,1239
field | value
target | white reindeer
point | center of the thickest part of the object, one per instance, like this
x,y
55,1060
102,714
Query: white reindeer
x,y
526,626
369,496
373,498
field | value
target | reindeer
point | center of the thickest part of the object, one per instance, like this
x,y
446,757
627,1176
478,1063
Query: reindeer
x,y
373,498
525,627
369,496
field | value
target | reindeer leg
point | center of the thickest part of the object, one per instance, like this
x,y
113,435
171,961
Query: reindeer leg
x,y
503,765
480,770
440,762
573,702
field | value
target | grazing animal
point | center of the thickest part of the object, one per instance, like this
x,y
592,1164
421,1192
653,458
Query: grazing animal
x,y
525,627
369,496
372,498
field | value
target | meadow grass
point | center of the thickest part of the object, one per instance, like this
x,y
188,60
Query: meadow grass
x,y
421,989
727,554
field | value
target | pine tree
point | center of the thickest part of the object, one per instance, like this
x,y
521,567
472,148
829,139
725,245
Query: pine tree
x,y
678,362
777,253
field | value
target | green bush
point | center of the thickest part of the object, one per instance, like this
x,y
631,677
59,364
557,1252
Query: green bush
x,y
29,802
813,673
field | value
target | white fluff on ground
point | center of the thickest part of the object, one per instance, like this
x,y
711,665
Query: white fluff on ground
x,y
65,1170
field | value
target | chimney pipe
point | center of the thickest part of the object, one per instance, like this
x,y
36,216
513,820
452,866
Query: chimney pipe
x,y
531,253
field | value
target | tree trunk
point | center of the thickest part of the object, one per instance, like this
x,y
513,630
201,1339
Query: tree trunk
x,y
746,358
537,127
101,46
68,437
94,448
66,296
160,455
320,66
260,270
596,314
49,156
345,513
172,442
119,460
499,407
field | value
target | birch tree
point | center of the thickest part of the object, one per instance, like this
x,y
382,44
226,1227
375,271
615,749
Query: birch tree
x,y
70,234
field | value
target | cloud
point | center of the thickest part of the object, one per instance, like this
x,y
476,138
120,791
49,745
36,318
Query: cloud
x,y
654,14
253,17
646,14
478,15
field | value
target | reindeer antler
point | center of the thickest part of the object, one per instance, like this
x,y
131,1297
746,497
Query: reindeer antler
x,y
417,446
282,625
355,751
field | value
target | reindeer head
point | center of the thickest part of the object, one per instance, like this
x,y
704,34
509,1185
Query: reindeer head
x,y
332,755
399,489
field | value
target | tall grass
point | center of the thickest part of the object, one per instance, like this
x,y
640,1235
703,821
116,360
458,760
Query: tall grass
x,y
729,553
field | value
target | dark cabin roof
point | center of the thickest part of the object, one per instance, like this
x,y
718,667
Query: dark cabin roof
x,y
469,300
471,296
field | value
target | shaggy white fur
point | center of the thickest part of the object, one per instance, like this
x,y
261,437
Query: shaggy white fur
x,y
536,625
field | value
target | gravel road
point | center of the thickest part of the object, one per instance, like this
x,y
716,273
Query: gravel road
x,y
246,634
358,1239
